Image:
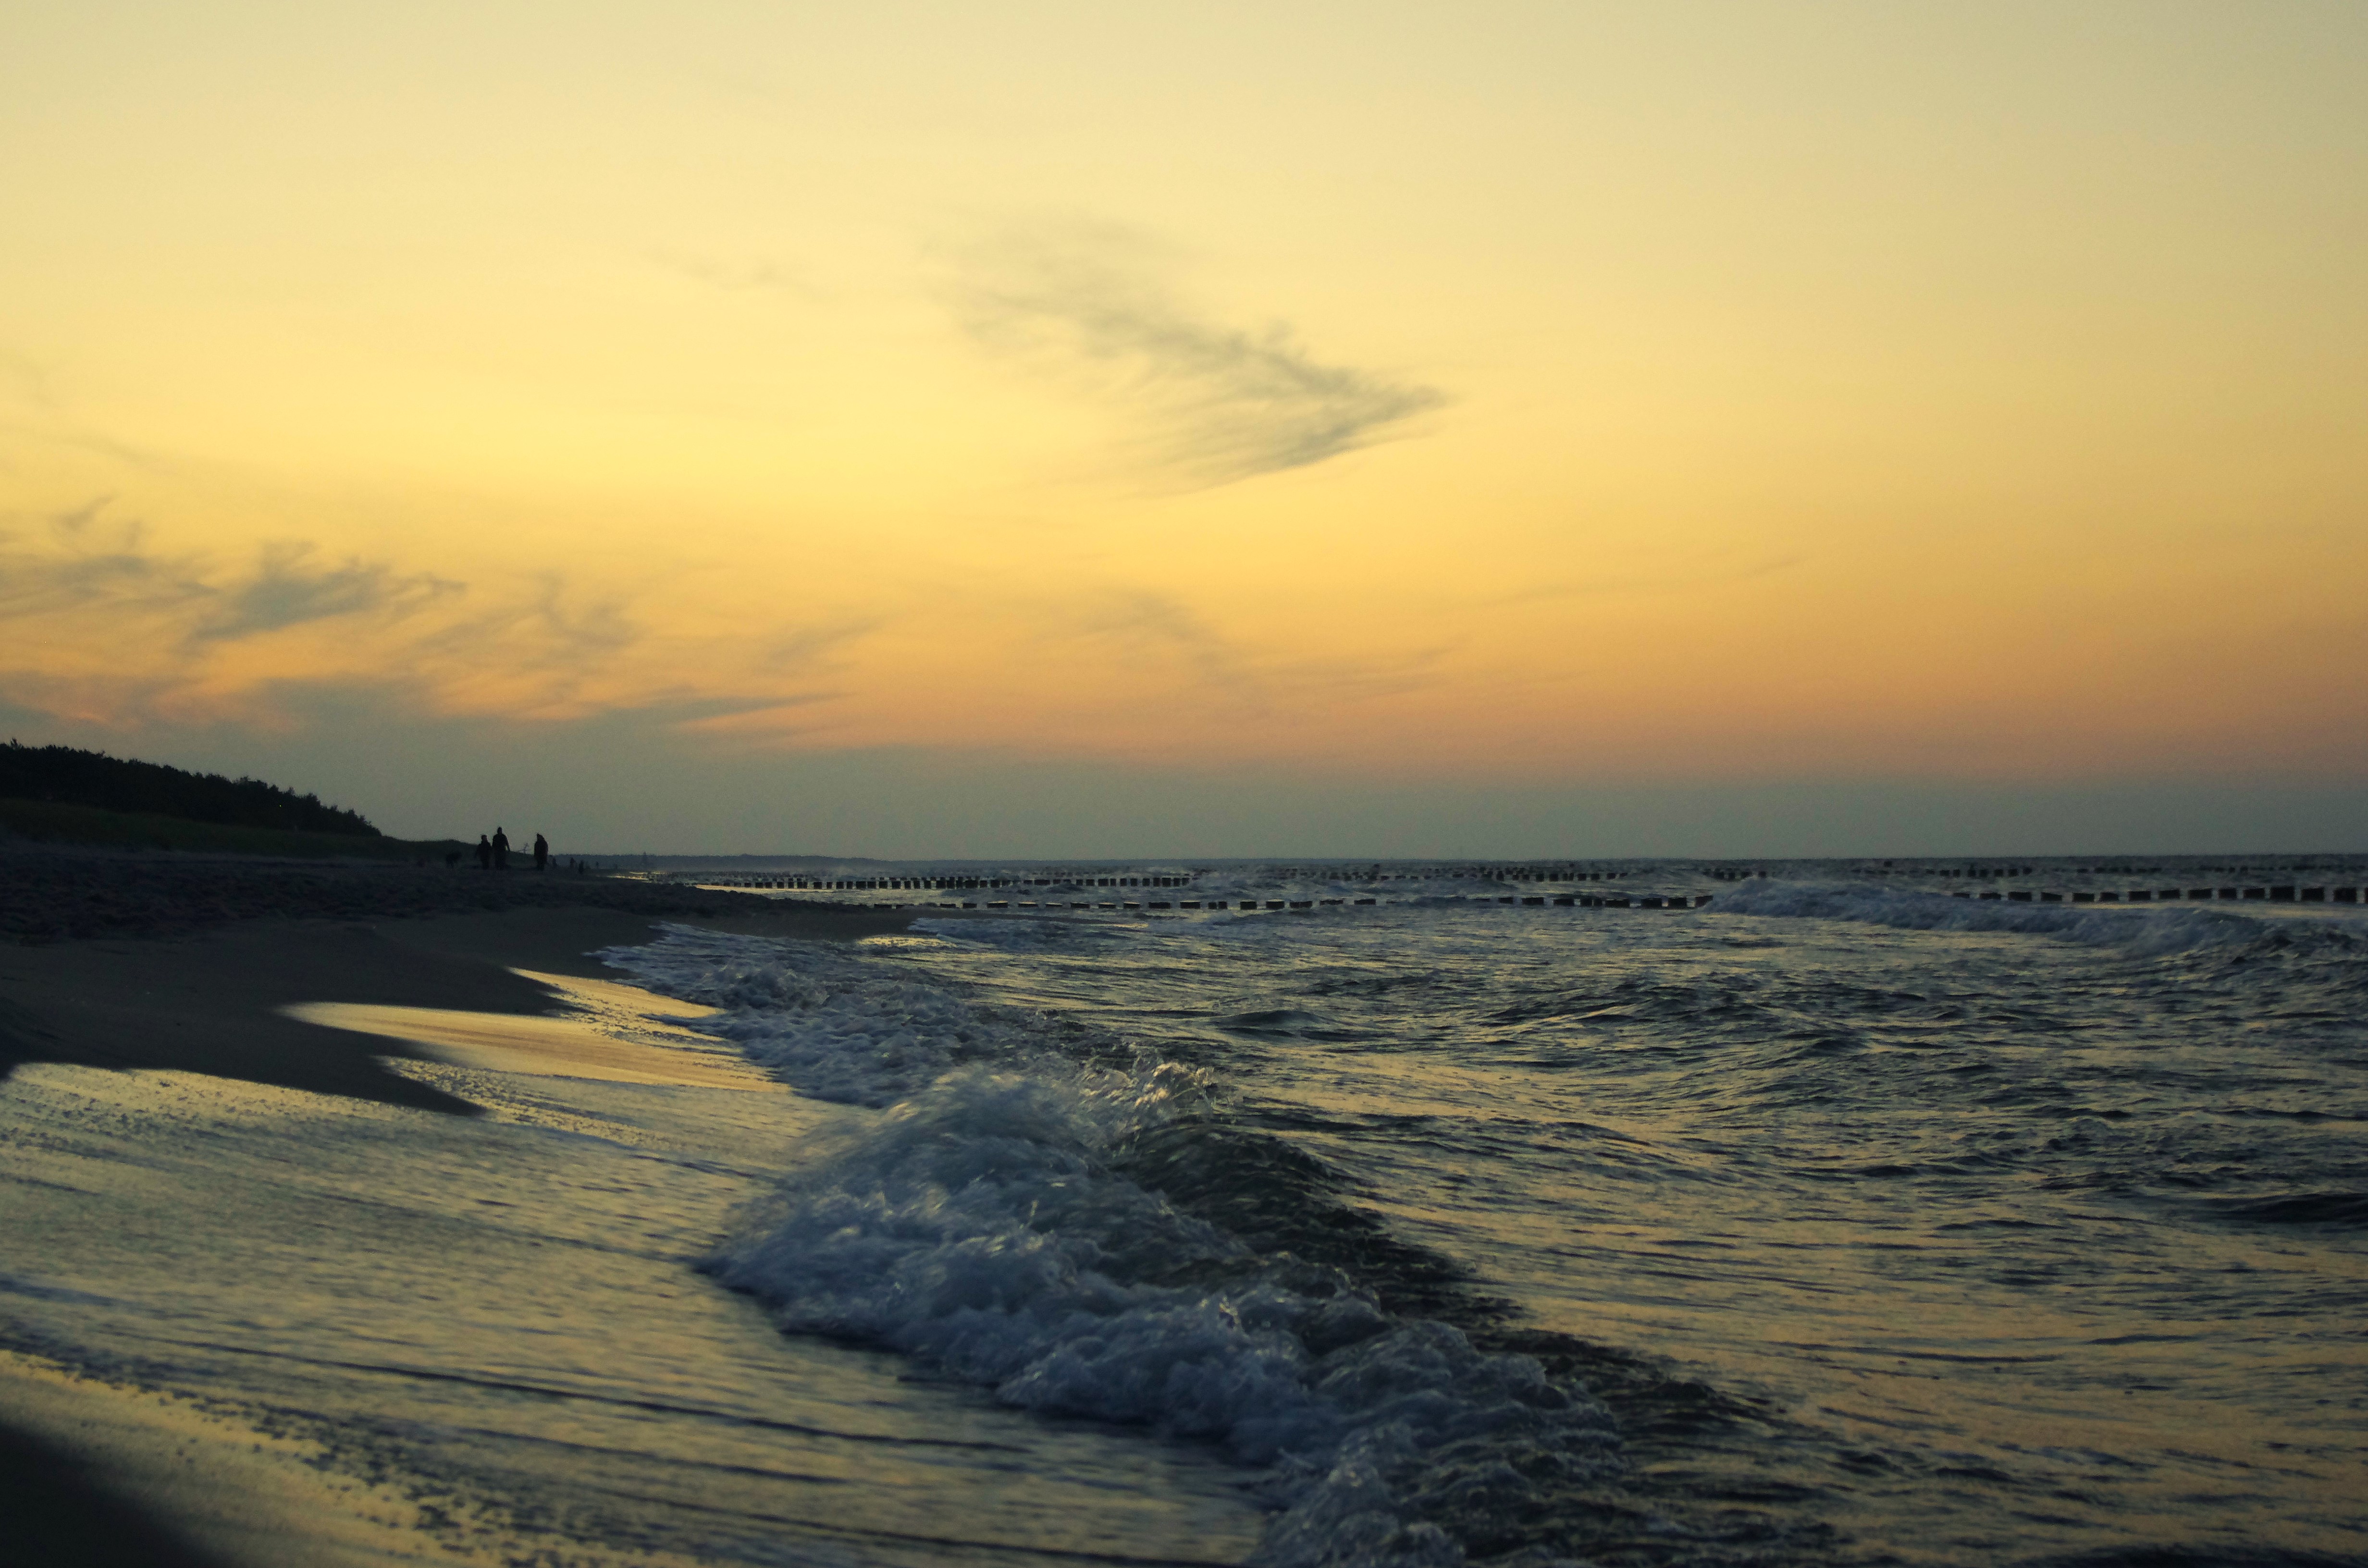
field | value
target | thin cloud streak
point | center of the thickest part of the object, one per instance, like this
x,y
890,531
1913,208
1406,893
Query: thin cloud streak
x,y
1145,622
91,563
82,557
285,591
813,646
1146,626
1220,405
760,274
1660,583
100,625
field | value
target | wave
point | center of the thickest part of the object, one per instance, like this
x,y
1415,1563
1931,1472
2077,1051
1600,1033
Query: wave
x,y
1025,933
2349,1210
825,1022
2214,1556
2146,932
1004,1219
982,1226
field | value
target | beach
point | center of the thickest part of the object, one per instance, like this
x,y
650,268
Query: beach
x,y
1393,1217
183,963
184,966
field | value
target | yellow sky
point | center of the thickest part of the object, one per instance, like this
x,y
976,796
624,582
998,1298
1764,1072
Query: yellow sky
x,y
1736,390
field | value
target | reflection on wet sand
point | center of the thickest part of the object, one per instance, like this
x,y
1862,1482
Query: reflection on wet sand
x,y
610,1032
312,1329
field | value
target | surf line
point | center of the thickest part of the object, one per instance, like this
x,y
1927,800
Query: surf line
x,y
1252,905
2273,894
2288,893
1091,885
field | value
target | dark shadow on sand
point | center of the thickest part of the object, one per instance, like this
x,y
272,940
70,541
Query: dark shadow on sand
x,y
58,1516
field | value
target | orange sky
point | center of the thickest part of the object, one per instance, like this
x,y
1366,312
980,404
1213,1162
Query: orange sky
x,y
1540,393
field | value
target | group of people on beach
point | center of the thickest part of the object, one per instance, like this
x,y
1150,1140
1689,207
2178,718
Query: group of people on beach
x,y
494,854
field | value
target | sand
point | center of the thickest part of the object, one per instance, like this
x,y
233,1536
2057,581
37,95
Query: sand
x,y
209,966
186,962
51,893
635,1048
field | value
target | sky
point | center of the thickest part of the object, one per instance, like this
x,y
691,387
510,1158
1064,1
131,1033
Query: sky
x,y
1054,429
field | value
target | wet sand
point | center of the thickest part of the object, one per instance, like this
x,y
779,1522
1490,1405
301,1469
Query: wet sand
x,y
51,894
192,965
637,1047
186,965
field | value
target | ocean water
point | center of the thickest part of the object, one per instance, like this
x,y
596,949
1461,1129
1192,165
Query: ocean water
x,y
1842,1220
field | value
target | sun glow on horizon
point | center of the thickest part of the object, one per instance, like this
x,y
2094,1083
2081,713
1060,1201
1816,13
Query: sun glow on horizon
x,y
1723,390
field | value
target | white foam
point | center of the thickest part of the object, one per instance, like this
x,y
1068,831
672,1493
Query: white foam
x,y
2141,931
820,1019
1030,933
978,1225
981,1223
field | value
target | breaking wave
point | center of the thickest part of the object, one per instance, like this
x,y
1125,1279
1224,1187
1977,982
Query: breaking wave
x,y
2144,932
1003,1219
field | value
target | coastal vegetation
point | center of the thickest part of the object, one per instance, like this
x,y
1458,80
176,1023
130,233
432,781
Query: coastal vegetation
x,y
71,776
64,795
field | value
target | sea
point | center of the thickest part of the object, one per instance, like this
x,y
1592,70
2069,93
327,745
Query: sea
x,y
1304,1214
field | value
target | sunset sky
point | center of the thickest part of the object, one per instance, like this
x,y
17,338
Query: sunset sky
x,y
1047,430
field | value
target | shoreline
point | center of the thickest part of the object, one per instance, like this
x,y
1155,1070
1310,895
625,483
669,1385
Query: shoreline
x,y
56,893
144,962
182,963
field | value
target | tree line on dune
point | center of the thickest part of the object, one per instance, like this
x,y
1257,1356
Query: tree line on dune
x,y
70,777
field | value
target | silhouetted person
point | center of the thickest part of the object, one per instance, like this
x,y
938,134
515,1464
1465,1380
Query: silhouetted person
x,y
501,850
484,853
541,853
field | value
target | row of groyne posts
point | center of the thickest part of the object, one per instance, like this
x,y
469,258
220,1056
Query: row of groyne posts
x,y
1120,891
2265,892
1134,893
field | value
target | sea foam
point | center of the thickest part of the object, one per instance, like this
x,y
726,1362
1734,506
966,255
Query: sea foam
x,y
980,1223
2146,932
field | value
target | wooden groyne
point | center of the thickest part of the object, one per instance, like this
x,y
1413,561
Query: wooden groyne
x,y
1566,888
2272,892
788,883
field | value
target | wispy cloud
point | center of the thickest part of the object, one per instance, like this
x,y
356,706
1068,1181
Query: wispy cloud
x,y
774,724
85,561
1144,627
287,589
100,622
1670,580
34,381
99,618
1144,623
1086,306
86,556
813,647
757,274
536,652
